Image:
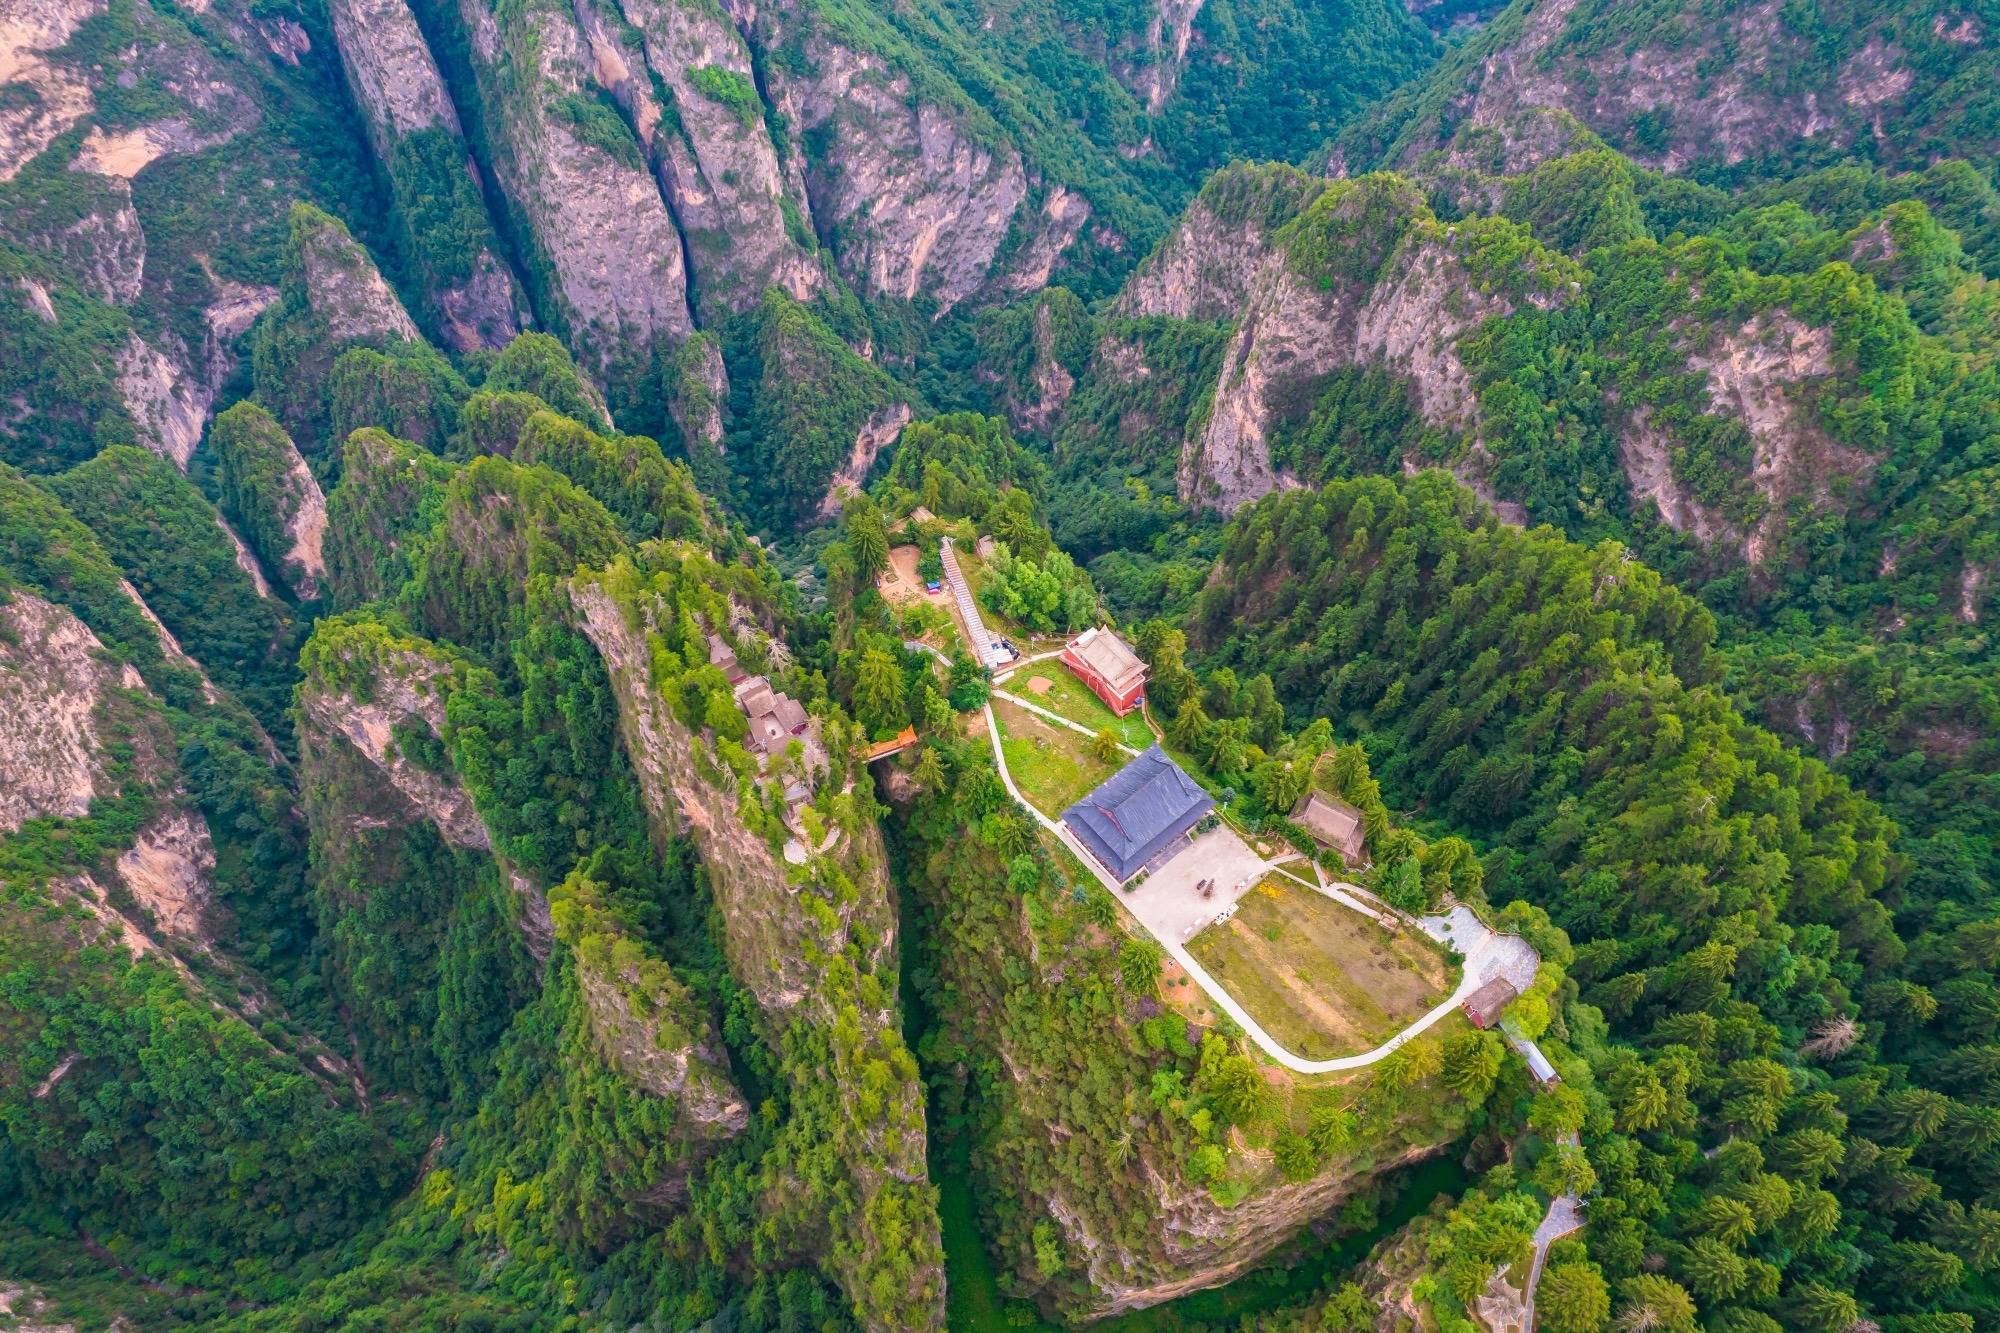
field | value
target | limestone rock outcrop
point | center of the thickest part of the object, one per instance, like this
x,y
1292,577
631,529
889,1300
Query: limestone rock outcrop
x,y
411,122
743,222
611,268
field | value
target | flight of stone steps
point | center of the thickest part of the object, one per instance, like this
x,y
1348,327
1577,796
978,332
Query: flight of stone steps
x,y
984,642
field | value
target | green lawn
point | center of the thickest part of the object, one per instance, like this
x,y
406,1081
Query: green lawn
x,y
1323,979
1072,699
1052,765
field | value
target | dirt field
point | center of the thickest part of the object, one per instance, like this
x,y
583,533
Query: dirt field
x,y
899,583
1321,978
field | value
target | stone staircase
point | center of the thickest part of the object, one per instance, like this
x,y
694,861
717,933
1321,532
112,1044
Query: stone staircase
x,y
988,648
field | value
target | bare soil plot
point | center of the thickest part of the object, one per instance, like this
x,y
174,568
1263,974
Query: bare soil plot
x,y
1321,978
1051,764
899,582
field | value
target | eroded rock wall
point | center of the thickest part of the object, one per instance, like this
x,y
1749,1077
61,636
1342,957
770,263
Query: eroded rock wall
x,y
396,84
608,252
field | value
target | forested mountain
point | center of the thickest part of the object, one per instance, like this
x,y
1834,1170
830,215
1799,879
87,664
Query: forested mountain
x,y
508,818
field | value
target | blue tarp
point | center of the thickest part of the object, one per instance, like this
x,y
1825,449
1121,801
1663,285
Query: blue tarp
x,y
1137,811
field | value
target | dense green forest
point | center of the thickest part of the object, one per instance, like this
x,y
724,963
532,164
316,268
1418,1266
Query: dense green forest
x,y
495,832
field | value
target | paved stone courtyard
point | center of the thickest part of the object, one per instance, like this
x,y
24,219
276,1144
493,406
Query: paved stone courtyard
x,y
1167,901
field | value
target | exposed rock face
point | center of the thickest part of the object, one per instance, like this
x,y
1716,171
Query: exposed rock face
x,y
692,1071
169,868
715,158
610,253
264,482
246,559
1203,270
214,104
53,677
794,957
126,154
400,92
1755,375
1053,383
1972,585
702,387
346,290
1034,405
45,97
1063,214
168,390
745,874
1206,1245
1294,331
914,204
63,705
407,687
170,648
1168,33
304,510
105,249
390,70
876,434
167,403
1712,106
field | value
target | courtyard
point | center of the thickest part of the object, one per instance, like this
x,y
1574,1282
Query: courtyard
x,y
1169,901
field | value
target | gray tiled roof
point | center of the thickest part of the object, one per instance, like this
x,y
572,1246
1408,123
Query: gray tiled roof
x,y
1137,811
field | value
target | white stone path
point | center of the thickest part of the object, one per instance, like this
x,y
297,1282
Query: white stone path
x,y
1487,953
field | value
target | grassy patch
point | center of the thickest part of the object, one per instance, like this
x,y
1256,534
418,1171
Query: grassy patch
x,y
1052,765
1321,978
1072,698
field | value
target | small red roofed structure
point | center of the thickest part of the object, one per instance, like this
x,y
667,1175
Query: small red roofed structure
x,y
1113,671
1483,1006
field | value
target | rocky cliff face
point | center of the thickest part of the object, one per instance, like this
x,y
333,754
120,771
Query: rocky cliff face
x,y
53,686
743,223
266,483
761,906
1368,279
912,201
1203,1244
343,288
815,942
608,254
700,387
302,510
378,698
1707,88
76,728
625,1001
49,96
1207,264
401,95
1165,49
877,433
1758,374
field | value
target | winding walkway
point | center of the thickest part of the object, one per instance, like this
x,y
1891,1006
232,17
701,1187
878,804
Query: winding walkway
x,y
1485,958
1056,718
